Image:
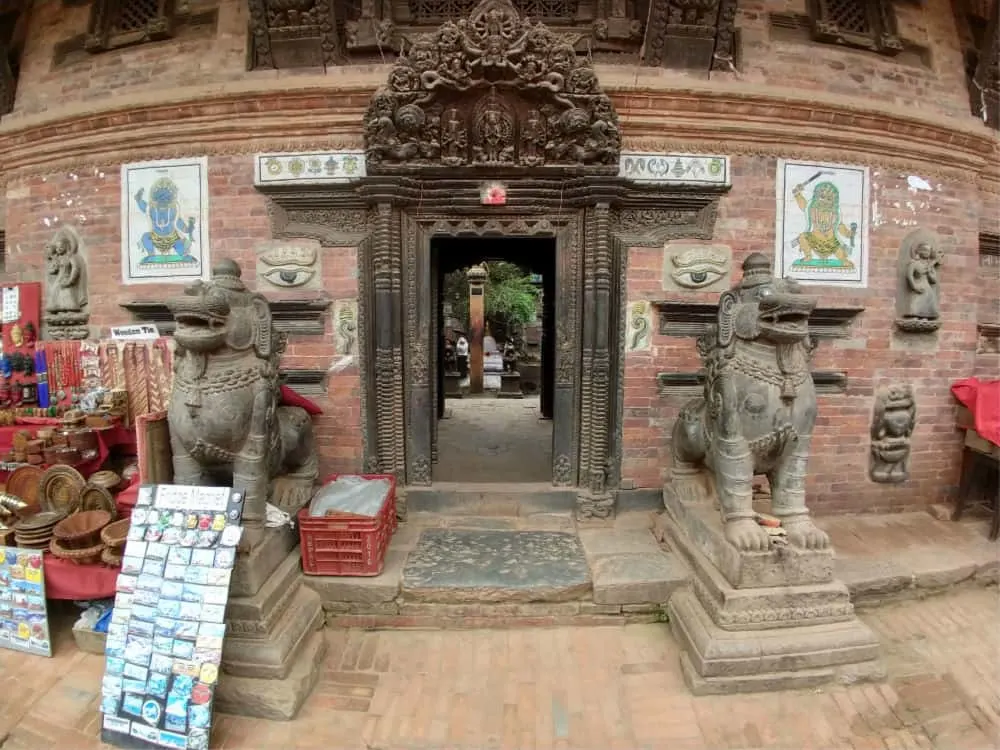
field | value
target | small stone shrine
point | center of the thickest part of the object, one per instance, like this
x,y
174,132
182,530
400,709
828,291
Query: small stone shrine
x,y
510,378
227,427
763,611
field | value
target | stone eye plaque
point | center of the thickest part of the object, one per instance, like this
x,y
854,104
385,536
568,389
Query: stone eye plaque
x,y
696,268
282,265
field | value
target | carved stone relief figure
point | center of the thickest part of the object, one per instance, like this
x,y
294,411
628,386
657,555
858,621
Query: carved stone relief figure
x,y
531,100
640,326
345,323
758,410
286,265
702,268
918,306
66,297
893,421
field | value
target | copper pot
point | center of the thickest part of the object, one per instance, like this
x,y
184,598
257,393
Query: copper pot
x,y
68,456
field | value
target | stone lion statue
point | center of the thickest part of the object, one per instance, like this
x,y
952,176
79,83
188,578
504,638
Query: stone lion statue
x,y
226,425
758,410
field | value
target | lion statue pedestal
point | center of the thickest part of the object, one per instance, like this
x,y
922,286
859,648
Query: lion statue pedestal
x,y
763,611
228,428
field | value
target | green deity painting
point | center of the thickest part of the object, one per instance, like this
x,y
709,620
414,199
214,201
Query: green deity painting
x,y
822,244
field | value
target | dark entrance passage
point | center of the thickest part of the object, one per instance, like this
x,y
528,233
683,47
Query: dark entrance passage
x,y
480,437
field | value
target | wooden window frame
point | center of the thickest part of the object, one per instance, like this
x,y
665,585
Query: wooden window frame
x,y
101,36
883,37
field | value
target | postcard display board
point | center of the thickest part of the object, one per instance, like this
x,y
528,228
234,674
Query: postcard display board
x,y
24,622
164,643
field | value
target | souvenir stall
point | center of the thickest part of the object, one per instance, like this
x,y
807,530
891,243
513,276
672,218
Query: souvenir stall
x,y
68,446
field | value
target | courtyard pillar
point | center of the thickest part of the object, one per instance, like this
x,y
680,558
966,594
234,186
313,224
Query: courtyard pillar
x,y
477,308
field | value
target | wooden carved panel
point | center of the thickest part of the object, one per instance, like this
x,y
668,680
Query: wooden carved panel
x,y
294,33
691,34
117,23
491,90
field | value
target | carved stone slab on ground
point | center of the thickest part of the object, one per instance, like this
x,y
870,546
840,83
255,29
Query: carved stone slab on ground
x,y
456,565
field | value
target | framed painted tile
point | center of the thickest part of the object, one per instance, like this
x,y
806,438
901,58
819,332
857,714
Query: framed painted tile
x,y
164,208
822,223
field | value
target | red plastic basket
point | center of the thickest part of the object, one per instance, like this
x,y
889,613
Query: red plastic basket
x,y
343,544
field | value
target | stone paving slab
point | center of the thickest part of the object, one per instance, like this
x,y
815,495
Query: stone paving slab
x,y
886,557
464,565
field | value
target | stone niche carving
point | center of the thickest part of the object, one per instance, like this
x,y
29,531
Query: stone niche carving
x,y
640,326
345,324
288,265
66,299
492,90
701,268
226,425
918,293
893,421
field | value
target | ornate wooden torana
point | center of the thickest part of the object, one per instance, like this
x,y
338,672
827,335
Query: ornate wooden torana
x,y
492,90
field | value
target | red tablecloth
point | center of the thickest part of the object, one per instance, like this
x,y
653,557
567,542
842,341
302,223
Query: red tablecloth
x,y
983,400
67,580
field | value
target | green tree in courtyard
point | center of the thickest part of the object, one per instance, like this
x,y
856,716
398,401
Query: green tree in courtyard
x,y
510,298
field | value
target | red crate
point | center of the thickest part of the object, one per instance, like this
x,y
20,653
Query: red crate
x,y
343,544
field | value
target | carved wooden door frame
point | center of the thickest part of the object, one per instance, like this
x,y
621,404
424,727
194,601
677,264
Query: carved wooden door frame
x,y
594,220
419,328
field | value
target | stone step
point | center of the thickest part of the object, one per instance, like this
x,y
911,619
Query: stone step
x,y
484,576
512,499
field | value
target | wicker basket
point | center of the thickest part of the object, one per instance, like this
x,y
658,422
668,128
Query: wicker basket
x,y
81,530
106,479
111,558
93,497
115,534
87,556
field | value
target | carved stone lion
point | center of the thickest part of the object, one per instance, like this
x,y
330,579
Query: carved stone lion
x,y
226,425
758,411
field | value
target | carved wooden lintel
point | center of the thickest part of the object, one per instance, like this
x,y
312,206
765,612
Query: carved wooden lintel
x,y
690,384
686,319
696,35
295,317
286,36
493,90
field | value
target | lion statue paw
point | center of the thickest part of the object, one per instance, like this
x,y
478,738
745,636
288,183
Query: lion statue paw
x,y
802,532
747,536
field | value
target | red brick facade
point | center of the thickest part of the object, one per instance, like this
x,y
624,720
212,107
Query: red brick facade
x,y
75,122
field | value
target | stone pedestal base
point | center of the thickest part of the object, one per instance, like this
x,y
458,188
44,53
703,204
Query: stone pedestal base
x,y
510,385
453,385
274,644
760,621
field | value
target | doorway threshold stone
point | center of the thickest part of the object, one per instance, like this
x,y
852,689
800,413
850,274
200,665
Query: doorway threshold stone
x,y
467,565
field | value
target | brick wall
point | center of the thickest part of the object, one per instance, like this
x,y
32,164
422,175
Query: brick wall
x,y
838,469
206,56
91,202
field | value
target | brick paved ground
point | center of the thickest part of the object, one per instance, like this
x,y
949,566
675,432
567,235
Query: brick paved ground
x,y
581,688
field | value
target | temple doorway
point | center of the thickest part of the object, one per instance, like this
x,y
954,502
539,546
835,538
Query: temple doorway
x,y
494,425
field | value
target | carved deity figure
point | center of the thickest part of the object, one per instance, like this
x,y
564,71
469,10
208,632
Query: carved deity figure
x,y
227,426
170,237
821,243
453,141
757,412
917,292
893,421
532,139
65,275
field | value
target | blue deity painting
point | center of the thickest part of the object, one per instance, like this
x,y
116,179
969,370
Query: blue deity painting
x,y
170,236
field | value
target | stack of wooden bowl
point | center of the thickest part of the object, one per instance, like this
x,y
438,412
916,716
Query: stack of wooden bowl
x,y
37,531
114,535
78,538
